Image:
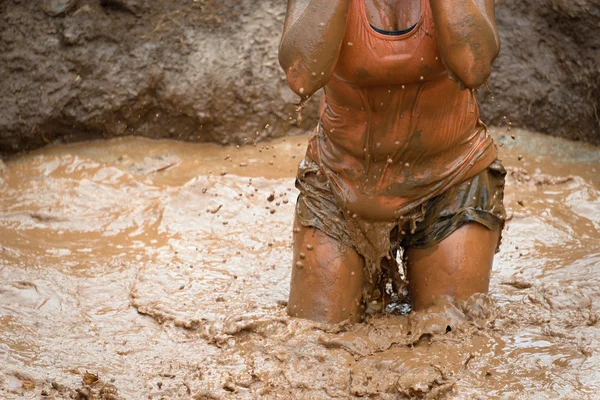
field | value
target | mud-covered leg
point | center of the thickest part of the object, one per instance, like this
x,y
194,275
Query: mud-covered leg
x,y
327,278
458,266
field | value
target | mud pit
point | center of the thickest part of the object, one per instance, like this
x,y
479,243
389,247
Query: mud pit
x,y
157,269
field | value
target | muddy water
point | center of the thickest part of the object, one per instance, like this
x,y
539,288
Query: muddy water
x,y
156,269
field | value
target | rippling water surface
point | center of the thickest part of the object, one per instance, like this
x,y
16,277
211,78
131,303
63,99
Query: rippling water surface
x,y
134,268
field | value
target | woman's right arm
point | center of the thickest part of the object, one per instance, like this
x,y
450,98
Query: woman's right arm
x,y
311,43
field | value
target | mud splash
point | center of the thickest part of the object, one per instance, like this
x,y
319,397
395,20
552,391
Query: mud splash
x,y
135,268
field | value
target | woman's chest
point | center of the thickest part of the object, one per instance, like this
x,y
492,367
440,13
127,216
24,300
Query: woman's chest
x,y
371,58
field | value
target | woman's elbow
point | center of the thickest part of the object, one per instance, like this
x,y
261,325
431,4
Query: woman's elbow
x,y
300,85
471,76
477,77
300,81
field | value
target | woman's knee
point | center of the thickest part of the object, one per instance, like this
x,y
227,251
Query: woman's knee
x,y
327,278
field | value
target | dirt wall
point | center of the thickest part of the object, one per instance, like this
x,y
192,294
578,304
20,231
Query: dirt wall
x,y
207,70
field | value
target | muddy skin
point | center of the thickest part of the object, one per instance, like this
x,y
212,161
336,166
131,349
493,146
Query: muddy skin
x,y
138,262
327,278
394,132
392,15
468,38
458,266
312,38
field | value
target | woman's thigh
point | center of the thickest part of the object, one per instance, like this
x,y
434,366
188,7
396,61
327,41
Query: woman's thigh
x,y
327,278
458,266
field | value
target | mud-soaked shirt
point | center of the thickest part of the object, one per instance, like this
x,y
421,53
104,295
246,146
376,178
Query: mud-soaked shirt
x,y
394,130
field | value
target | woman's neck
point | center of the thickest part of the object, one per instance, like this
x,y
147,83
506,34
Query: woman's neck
x,y
393,15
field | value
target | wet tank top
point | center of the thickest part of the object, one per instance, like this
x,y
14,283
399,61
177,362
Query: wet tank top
x,y
394,130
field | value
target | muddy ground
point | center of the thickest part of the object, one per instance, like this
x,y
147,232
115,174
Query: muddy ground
x,y
136,268
207,70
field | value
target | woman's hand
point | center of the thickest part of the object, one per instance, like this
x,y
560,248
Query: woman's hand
x,y
468,39
311,43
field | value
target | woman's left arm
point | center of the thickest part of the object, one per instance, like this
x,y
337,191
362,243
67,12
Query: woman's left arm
x,y
468,39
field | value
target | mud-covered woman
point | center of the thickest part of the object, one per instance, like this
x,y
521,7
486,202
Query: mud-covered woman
x,y
399,161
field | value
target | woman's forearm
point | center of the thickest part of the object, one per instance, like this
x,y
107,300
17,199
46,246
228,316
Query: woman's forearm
x,y
311,43
467,37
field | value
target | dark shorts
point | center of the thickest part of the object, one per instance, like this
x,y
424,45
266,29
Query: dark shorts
x,y
478,199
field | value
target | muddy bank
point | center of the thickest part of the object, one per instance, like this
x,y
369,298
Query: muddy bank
x,y
191,70
158,269
207,70
547,75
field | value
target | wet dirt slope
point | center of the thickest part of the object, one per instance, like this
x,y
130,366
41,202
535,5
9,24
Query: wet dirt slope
x,y
206,70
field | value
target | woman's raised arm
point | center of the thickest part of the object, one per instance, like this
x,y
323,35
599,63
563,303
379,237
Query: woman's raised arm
x,y
467,37
311,42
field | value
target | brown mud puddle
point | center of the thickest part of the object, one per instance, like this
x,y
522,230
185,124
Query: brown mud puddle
x,y
157,269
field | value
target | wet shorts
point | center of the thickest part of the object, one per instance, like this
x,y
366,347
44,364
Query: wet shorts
x,y
478,199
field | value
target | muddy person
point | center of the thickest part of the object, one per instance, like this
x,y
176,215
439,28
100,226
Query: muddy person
x,y
399,161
